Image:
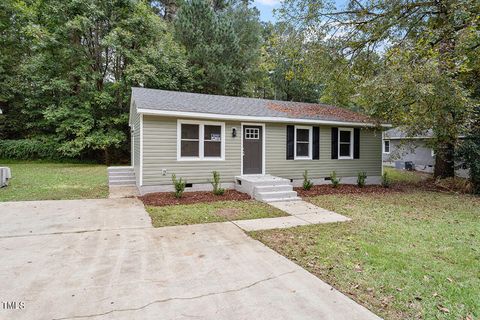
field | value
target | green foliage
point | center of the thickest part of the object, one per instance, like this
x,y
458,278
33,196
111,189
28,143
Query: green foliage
x,y
179,185
361,179
468,154
333,178
222,44
25,149
69,76
386,182
307,183
217,188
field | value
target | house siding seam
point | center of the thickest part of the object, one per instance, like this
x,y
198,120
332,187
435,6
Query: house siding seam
x,y
160,152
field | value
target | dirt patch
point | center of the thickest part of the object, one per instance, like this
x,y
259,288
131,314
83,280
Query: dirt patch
x,y
229,213
160,199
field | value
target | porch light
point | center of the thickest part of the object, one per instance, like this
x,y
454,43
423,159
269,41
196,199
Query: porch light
x,y
234,132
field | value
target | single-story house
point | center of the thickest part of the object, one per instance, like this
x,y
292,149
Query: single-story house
x,y
399,147
191,135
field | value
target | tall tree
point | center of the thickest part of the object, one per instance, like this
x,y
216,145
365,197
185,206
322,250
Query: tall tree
x,y
427,46
222,41
74,84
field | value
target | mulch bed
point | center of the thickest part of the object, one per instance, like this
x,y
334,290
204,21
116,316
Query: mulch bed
x,y
425,185
160,199
347,189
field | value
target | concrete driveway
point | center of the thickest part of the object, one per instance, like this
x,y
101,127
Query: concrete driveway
x,y
101,259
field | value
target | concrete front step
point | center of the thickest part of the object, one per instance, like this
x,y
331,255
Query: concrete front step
x,y
282,187
121,177
282,199
120,169
267,196
130,182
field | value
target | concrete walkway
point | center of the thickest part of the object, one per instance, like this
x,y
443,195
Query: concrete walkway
x,y
301,213
101,259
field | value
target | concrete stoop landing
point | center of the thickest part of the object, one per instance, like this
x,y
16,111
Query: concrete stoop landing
x,y
121,176
266,188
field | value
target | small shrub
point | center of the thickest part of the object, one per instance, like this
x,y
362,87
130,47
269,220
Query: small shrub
x,y
179,186
307,183
385,180
335,181
361,179
29,149
217,188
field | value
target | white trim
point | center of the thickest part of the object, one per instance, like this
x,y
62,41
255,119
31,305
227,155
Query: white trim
x,y
201,140
132,145
141,150
264,133
351,143
383,146
310,140
201,115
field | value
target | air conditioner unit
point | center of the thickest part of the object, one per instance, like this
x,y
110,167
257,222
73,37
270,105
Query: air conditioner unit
x,y
5,175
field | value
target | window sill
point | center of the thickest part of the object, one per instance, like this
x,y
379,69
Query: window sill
x,y
200,159
302,158
345,158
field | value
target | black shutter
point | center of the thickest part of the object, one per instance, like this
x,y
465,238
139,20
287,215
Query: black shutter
x,y
316,143
290,142
334,143
356,143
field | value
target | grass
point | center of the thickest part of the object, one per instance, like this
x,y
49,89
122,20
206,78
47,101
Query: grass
x,y
211,212
40,180
403,176
404,256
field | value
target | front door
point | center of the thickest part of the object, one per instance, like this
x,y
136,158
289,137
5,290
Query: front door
x,y
252,149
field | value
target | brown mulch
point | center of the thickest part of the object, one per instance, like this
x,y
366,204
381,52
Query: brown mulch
x,y
347,189
160,199
425,185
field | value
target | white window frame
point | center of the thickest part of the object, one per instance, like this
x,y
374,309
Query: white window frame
x,y
201,140
389,146
351,142
310,140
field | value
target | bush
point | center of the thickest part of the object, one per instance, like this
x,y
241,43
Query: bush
x,y
307,183
217,188
179,186
335,181
361,179
385,180
29,149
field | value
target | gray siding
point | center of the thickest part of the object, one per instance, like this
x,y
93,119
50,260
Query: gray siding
x,y
136,144
276,164
160,152
410,150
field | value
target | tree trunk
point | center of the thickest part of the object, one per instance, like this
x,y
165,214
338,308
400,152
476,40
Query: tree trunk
x,y
444,161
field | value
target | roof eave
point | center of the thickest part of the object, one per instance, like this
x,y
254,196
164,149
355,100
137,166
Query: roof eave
x,y
210,116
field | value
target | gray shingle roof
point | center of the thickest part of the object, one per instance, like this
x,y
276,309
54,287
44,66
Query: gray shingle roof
x,y
153,99
400,133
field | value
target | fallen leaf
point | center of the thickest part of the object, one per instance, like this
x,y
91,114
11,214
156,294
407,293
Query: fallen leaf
x,y
434,294
443,309
399,289
449,280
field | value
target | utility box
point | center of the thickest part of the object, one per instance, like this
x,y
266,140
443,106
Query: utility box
x,y
409,165
5,175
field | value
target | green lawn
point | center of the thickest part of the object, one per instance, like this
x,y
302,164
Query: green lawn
x,y
39,180
403,176
211,212
403,256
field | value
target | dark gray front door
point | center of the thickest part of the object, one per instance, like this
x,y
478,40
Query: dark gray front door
x,y
252,149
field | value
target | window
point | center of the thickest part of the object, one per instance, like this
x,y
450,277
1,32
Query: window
x,y
200,140
252,133
345,143
386,146
303,142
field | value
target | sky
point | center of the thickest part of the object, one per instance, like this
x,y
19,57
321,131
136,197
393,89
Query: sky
x,y
266,8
